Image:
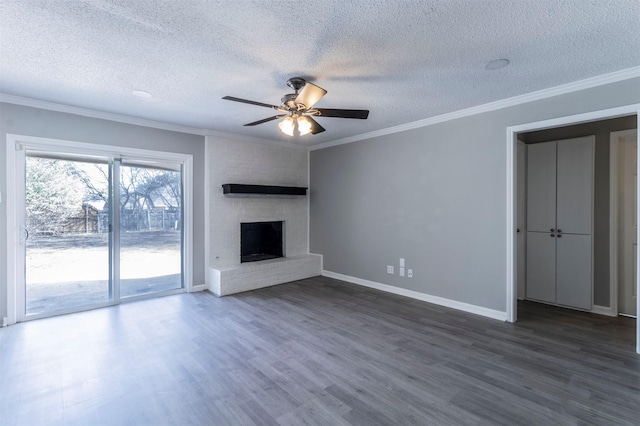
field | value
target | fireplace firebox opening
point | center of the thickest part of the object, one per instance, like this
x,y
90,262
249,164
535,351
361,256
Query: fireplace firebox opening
x,y
261,241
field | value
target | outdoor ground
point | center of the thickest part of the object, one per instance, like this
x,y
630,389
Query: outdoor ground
x,y
73,270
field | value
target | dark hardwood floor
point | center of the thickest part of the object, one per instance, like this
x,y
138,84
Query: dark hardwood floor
x,y
317,351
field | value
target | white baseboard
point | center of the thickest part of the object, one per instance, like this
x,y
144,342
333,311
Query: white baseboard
x,y
461,306
199,287
603,310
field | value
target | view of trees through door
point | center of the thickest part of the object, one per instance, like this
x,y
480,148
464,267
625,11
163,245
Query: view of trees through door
x,y
71,256
67,247
150,208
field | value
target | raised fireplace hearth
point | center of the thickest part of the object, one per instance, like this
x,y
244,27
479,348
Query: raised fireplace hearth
x,y
232,279
261,241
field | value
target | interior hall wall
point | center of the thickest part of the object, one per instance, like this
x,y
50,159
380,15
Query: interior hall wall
x,y
435,196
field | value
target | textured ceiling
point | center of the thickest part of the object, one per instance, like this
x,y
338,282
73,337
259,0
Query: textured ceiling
x,y
403,60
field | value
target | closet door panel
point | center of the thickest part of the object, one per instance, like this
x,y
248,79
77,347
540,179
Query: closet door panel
x,y
573,273
541,187
575,185
541,267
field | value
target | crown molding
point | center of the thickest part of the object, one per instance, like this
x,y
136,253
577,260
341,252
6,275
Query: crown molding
x,y
575,86
86,112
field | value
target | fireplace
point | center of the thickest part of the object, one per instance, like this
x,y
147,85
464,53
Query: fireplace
x,y
261,241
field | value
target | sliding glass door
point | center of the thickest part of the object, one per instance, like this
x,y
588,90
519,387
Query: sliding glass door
x,y
67,247
150,229
98,229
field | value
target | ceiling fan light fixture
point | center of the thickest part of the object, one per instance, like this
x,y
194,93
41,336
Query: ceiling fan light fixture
x,y
287,125
299,111
304,125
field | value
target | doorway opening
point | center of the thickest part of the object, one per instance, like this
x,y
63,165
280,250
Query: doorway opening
x,y
624,222
516,136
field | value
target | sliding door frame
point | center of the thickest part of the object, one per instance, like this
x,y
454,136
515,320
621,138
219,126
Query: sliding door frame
x,y
15,151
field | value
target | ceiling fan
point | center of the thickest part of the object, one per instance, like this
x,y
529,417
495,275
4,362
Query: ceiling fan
x,y
297,109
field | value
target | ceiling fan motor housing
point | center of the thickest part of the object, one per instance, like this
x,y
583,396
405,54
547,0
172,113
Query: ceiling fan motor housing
x,y
288,101
296,83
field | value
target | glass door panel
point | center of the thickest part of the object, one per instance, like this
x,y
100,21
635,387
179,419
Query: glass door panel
x,y
150,230
67,231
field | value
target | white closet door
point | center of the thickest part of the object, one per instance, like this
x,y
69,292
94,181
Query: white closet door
x,y
541,266
541,187
575,185
573,270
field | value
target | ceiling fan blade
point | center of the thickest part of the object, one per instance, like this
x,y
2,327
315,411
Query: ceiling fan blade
x,y
343,113
309,95
265,120
315,126
245,101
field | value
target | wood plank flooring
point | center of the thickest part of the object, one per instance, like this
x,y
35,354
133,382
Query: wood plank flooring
x,y
317,351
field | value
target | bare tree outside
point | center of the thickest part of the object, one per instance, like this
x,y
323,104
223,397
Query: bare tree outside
x,y
148,196
94,178
53,195
66,197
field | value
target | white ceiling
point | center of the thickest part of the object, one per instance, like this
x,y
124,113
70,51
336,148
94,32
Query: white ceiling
x,y
403,60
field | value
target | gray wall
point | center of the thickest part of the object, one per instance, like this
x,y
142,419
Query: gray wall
x,y
435,196
37,122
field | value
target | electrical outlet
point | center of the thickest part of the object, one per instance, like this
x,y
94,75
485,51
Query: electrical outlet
x,y
389,269
410,273
401,271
